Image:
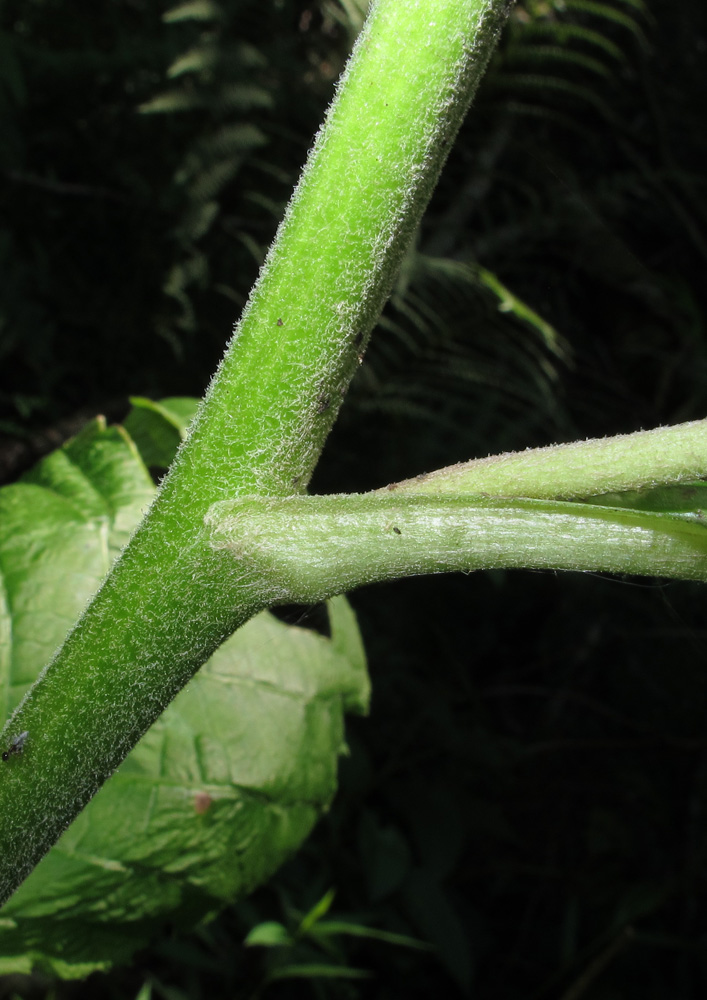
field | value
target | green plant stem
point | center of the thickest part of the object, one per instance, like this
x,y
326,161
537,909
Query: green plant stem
x,y
578,470
310,548
172,598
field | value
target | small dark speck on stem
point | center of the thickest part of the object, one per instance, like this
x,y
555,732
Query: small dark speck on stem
x,y
16,747
202,801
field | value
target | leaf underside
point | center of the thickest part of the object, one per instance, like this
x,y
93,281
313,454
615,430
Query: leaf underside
x,y
229,780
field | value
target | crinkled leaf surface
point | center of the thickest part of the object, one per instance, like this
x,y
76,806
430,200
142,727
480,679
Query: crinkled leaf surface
x,y
157,428
61,527
224,786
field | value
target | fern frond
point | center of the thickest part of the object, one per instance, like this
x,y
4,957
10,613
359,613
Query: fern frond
x,y
608,13
231,140
197,221
194,10
527,109
473,276
255,249
348,13
196,60
244,55
556,54
510,303
272,207
637,5
243,97
171,101
209,182
563,34
453,328
519,82
396,339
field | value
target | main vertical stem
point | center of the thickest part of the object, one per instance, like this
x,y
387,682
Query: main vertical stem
x,y
171,600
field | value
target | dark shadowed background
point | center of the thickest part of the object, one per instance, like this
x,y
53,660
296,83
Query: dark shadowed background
x,y
529,793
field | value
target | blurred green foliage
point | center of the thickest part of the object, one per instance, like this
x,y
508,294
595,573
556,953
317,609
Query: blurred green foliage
x,y
529,792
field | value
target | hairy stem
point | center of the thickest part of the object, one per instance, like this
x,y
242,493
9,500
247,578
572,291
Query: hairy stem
x,y
310,548
578,470
172,599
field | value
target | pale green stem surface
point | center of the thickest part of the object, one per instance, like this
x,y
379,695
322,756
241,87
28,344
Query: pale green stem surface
x,y
310,548
172,598
578,470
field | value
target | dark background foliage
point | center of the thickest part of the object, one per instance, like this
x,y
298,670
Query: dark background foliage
x,y
529,793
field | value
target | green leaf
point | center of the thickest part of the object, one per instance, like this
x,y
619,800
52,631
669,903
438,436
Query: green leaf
x,y
320,909
228,781
606,11
158,428
566,34
548,54
510,303
60,529
318,971
196,10
331,928
546,83
268,935
196,60
171,100
230,140
242,97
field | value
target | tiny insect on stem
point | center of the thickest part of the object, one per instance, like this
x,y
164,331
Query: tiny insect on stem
x,y
16,747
